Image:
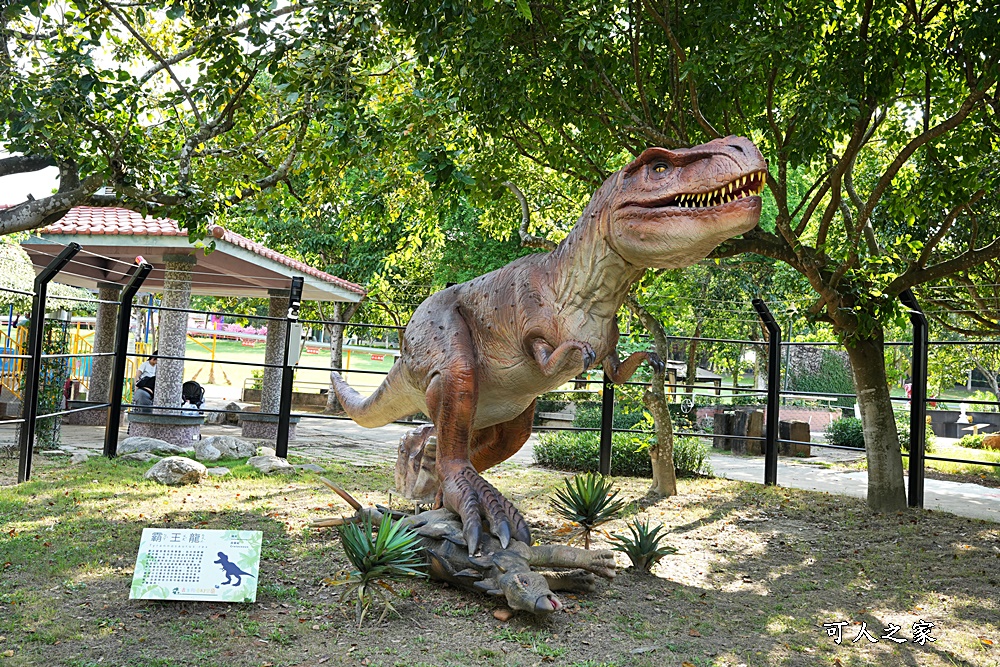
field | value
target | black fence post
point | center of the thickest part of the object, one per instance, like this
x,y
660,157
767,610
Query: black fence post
x,y
121,357
33,365
607,424
287,372
773,392
918,399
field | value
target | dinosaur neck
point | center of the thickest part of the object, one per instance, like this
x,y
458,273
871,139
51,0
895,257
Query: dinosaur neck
x,y
588,274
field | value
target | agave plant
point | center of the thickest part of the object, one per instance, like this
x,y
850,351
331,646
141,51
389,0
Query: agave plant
x,y
389,552
588,500
643,545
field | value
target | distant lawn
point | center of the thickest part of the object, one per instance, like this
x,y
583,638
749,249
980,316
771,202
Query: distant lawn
x,y
317,371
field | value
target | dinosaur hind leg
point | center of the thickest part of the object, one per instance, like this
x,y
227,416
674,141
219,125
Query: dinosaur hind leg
x,y
451,398
496,444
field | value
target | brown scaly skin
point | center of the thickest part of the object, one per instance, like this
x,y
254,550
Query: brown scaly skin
x,y
502,571
476,355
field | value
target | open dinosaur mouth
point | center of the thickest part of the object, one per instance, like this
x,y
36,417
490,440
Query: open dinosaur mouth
x,y
744,186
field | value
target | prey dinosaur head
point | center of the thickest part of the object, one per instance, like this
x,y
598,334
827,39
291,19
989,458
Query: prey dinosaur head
x,y
673,207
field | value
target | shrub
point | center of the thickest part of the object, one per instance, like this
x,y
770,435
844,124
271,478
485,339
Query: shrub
x,y
846,432
580,452
691,458
972,441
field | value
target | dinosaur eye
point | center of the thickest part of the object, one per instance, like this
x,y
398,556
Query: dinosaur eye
x,y
660,168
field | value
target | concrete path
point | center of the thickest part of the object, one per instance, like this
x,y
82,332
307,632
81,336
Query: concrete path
x,y
970,500
343,440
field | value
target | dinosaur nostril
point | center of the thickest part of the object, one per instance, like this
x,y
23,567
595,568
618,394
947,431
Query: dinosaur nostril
x,y
737,147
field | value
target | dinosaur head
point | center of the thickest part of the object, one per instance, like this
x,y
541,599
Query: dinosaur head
x,y
673,207
529,591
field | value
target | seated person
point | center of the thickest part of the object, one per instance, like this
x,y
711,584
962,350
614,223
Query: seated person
x,y
147,368
142,397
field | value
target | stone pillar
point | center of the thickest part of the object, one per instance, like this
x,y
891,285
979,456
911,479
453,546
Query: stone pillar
x,y
274,351
104,341
262,426
172,333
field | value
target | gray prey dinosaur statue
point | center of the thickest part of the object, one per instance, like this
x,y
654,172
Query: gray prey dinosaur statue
x,y
500,571
476,355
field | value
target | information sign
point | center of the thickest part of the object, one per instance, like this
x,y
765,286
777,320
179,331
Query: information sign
x,y
209,565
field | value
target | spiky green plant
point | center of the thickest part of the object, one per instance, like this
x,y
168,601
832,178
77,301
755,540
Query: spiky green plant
x,y
588,500
643,545
389,552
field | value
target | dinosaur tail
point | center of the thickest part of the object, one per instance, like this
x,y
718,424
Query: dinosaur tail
x,y
392,400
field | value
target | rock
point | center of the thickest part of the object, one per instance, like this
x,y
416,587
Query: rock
x,y
231,447
142,457
503,615
269,464
176,471
266,451
232,415
311,467
142,444
218,472
204,451
53,452
79,457
215,418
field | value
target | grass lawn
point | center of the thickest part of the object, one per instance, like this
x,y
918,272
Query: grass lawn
x,y
758,572
953,451
237,375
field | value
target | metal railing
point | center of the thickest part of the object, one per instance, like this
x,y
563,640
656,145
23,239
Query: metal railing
x,y
31,356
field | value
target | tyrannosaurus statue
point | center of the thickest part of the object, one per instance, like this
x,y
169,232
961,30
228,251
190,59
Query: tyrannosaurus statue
x,y
476,355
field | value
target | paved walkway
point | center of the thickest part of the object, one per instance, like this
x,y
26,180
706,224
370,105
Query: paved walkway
x,y
346,441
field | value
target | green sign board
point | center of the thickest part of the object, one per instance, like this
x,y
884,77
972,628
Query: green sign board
x,y
207,565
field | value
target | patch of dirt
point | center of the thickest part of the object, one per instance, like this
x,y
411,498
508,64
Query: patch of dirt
x,y
757,574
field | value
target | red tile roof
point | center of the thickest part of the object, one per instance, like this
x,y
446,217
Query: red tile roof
x,y
94,220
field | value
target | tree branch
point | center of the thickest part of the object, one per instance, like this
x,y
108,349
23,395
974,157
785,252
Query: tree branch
x,y
39,212
165,63
953,121
966,260
528,240
945,226
19,164
156,55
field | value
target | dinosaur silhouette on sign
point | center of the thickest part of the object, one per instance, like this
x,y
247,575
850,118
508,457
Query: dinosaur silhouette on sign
x,y
231,570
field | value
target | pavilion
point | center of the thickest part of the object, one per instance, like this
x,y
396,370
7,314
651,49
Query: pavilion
x,y
113,238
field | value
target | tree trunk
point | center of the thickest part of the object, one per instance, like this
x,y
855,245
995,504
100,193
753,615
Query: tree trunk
x,y
692,366
661,452
886,492
335,332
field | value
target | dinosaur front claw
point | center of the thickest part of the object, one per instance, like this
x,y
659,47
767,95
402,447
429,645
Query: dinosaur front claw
x,y
655,362
471,497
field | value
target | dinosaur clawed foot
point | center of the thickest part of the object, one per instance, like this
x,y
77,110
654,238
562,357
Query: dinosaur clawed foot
x,y
471,497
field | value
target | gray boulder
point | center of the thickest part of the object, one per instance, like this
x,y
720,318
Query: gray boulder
x,y
204,451
265,451
177,471
142,457
218,472
230,447
271,464
142,444
232,416
79,457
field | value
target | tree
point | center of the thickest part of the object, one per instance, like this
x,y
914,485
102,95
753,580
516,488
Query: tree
x,y
182,109
890,109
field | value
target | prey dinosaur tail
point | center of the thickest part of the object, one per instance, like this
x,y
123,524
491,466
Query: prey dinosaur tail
x,y
391,401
